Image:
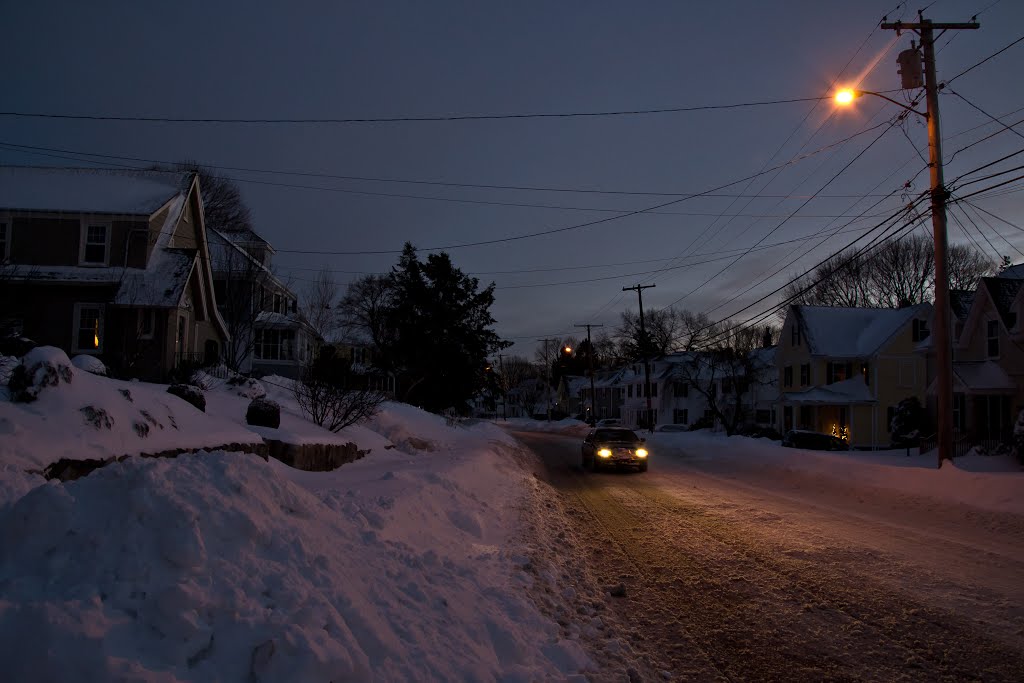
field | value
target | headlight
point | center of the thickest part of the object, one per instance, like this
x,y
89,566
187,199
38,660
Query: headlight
x,y
641,452
605,453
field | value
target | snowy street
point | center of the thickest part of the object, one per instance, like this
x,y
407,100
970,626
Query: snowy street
x,y
736,568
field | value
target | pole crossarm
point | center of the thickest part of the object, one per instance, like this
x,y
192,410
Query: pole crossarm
x,y
889,99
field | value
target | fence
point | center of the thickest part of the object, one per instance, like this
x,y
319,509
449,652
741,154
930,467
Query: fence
x,y
964,442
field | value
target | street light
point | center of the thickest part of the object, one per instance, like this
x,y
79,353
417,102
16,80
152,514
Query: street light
x,y
845,97
568,349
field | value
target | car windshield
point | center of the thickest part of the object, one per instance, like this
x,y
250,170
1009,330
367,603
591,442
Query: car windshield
x,y
624,435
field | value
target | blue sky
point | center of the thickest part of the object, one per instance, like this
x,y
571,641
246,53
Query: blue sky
x,y
348,60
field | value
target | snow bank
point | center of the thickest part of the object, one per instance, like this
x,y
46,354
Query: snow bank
x,y
989,482
223,567
570,426
90,364
78,415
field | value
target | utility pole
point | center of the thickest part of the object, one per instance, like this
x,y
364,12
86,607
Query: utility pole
x,y
547,364
643,340
593,395
942,337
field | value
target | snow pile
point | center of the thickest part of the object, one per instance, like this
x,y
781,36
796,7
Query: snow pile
x,y
221,567
413,430
569,426
78,415
993,482
90,364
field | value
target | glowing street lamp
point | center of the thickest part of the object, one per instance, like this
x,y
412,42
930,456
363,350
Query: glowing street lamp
x,y
845,96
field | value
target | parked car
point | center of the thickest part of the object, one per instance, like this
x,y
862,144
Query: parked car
x,y
800,438
671,428
614,447
608,422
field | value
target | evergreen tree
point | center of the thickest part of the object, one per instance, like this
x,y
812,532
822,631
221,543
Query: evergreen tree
x,y
440,320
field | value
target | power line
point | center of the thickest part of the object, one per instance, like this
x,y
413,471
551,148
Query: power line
x,y
411,119
991,56
976,107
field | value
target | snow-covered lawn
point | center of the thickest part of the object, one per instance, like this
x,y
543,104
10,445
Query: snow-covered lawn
x,y
992,482
412,564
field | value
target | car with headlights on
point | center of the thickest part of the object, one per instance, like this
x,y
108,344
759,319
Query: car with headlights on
x,y
614,447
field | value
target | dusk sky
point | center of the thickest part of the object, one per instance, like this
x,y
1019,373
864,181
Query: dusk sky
x,y
262,60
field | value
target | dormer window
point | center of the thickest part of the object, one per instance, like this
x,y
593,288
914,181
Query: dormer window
x,y
95,244
794,335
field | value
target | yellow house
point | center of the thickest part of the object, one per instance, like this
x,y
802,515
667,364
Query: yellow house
x,y
843,371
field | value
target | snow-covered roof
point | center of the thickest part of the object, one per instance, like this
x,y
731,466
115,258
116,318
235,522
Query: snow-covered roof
x,y
1003,292
574,384
842,332
162,284
227,254
983,376
88,190
1013,272
960,302
849,391
272,319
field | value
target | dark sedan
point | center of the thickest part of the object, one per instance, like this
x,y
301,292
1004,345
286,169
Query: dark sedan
x,y
614,448
800,438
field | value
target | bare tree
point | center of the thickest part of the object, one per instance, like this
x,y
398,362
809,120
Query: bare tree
x,y
319,304
899,273
363,311
726,373
240,281
223,206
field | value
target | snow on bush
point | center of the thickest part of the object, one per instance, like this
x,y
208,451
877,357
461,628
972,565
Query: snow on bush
x,y
216,567
189,393
90,364
42,367
262,412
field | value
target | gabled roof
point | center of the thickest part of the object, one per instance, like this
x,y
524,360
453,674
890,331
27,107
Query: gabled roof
x,y
228,254
979,377
88,190
846,392
1002,292
1013,272
960,301
844,332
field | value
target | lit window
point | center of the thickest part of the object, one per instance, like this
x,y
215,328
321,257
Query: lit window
x,y
146,323
97,240
275,344
88,328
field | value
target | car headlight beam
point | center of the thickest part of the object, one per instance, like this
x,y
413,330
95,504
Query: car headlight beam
x,y
641,452
605,453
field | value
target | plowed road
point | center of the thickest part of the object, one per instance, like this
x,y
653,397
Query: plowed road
x,y
738,571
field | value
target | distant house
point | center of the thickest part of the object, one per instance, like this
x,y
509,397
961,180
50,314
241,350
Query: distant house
x,y
844,370
569,396
268,333
113,264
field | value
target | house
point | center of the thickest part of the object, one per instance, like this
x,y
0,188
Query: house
x,y
569,396
269,336
844,370
529,398
988,360
607,402
109,263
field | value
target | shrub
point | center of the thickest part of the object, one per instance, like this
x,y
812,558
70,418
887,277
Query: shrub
x,y
263,412
332,395
187,392
702,423
907,422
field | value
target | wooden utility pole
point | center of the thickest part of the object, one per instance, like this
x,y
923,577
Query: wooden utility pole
x,y
941,335
645,347
593,395
547,364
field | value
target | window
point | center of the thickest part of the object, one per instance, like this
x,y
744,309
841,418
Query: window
x,y
805,374
5,241
639,389
795,337
147,321
681,417
837,372
95,244
865,372
277,304
959,413
629,391
654,390
680,389
1011,317
992,335
763,416
805,417
88,328
920,330
787,376
275,344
